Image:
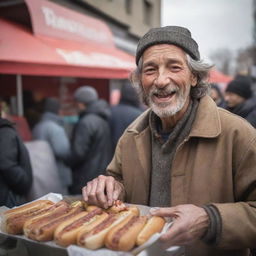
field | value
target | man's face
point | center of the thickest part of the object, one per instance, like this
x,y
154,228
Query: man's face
x,y
233,99
166,79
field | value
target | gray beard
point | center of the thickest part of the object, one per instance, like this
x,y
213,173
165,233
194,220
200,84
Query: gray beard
x,y
165,109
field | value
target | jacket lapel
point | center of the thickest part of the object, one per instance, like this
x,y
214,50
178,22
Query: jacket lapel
x,y
143,144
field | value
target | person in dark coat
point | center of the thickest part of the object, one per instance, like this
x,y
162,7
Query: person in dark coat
x,y
15,166
124,113
240,100
91,140
217,96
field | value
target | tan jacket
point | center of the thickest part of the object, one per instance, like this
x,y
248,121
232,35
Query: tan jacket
x,y
215,164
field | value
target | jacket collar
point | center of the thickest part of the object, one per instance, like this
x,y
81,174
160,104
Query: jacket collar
x,y
207,122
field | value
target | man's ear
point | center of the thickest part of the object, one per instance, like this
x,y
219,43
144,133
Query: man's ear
x,y
193,80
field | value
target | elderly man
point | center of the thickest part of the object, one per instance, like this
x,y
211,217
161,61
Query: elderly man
x,y
184,156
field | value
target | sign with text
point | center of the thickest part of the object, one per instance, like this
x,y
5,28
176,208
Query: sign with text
x,y
52,20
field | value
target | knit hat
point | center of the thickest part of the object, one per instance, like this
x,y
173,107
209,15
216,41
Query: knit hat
x,y
240,87
86,94
176,35
51,105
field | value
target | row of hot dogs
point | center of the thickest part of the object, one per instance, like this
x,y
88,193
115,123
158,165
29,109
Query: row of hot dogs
x,y
118,228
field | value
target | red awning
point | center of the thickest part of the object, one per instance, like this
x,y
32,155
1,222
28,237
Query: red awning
x,y
218,77
23,53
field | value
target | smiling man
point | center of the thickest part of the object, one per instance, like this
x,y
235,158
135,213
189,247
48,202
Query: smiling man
x,y
184,157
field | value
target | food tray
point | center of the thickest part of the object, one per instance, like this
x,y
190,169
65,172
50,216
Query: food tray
x,y
150,248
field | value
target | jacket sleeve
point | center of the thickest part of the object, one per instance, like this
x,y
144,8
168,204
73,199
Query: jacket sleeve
x,y
16,177
239,218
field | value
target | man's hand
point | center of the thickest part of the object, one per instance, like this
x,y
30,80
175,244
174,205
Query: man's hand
x,y
102,191
189,224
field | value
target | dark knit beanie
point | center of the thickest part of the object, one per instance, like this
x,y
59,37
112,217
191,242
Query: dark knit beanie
x,y
86,94
240,87
178,36
51,105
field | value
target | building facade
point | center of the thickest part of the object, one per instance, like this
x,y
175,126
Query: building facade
x,y
127,19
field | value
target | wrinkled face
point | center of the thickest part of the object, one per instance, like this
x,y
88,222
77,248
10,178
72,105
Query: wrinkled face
x,y
166,79
233,99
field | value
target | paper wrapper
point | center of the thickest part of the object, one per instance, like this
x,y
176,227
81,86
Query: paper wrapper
x,y
150,248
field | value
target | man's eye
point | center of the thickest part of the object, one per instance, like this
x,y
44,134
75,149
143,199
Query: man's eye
x,y
149,70
175,68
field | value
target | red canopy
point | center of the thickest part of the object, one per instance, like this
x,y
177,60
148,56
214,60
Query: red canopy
x,y
23,53
218,77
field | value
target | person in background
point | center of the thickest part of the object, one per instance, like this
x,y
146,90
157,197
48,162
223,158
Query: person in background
x,y
217,96
240,100
91,139
191,160
124,113
15,167
33,108
50,129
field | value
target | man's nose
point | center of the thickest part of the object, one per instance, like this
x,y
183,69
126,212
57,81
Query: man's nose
x,y
162,79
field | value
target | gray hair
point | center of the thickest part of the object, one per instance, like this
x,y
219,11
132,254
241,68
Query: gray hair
x,y
199,68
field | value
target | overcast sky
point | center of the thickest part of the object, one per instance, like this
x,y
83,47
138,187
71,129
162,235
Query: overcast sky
x,y
214,23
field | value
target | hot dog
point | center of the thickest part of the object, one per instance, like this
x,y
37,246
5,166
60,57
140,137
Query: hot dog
x,y
66,233
41,228
123,236
14,219
154,224
91,208
93,237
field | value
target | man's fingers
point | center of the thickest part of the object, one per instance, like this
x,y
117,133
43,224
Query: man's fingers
x,y
172,236
117,190
86,191
85,196
92,194
164,212
110,190
100,191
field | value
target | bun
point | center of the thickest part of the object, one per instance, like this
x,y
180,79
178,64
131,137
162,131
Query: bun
x,y
91,208
41,228
154,225
14,219
123,236
93,238
66,233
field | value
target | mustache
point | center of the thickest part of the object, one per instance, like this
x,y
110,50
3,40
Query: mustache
x,y
167,90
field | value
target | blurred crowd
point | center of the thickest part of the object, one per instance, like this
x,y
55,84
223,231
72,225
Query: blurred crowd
x,y
61,156
238,97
